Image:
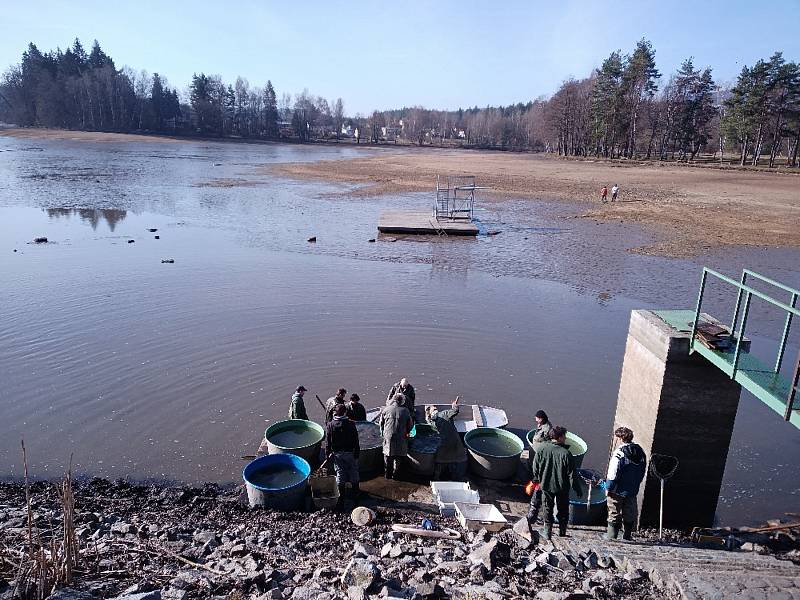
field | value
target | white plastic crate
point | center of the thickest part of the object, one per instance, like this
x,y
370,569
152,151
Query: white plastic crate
x,y
438,486
474,517
447,498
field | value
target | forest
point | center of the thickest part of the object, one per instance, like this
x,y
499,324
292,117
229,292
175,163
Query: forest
x,y
625,109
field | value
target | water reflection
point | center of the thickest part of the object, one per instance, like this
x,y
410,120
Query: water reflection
x,y
111,216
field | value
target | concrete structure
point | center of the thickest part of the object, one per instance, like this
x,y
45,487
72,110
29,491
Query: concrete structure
x,y
421,222
679,405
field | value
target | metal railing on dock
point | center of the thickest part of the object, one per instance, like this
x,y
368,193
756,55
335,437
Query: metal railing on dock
x,y
765,382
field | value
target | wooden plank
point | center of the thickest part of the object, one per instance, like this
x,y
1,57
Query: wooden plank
x,y
477,416
422,223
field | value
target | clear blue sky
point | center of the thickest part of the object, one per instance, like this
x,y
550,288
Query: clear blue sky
x,y
383,54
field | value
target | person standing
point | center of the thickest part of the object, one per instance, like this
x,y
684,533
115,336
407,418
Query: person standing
x,y
625,473
554,470
341,442
356,410
614,192
603,194
297,407
451,457
405,388
396,424
540,437
330,404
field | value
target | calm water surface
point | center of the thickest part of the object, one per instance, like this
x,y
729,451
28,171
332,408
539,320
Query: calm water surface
x,y
148,370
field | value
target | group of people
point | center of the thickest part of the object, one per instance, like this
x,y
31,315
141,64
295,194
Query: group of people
x,y
553,475
604,193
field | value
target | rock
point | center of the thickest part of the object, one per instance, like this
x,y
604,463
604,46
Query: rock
x,y
490,553
357,593
359,573
122,528
429,590
387,547
273,594
397,551
167,261
42,240
364,550
635,575
523,529
203,537
312,239
606,562
154,595
70,593
551,595
564,562
174,594
493,232
590,562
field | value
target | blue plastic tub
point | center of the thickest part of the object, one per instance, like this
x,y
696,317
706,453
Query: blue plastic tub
x,y
277,481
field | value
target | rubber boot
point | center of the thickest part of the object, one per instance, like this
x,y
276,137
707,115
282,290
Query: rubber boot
x,y
533,514
612,532
389,468
627,531
340,501
547,533
562,530
356,494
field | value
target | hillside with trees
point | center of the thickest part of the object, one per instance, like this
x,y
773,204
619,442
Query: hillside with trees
x,y
626,109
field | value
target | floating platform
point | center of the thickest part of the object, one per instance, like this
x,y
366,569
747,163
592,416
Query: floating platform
x,y
423,223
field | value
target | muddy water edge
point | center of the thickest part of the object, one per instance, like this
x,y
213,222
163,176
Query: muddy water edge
x,y
156,370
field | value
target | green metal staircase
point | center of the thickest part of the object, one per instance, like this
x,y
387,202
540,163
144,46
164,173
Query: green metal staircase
x,y
764,381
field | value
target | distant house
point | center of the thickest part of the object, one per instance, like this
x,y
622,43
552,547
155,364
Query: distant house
x,y
286,130
347,131
391,132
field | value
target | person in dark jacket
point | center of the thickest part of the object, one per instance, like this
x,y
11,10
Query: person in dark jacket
x,y
330,404
396,424
626,470
342,446
405,388
451,457
356,410
297,408
540,437
554,470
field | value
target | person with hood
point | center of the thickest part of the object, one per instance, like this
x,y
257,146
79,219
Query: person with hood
x,y
297,407
554,469
451,457
540,437
625,473
396,424
341,442
405,388
356,410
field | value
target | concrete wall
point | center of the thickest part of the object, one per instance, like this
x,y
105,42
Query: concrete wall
x,y
679,405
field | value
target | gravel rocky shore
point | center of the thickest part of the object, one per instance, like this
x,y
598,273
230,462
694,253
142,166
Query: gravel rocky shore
x,y
148,542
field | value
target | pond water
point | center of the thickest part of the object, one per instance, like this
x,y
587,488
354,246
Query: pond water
x,y
295,437
277,477
150,370
369,435
491,443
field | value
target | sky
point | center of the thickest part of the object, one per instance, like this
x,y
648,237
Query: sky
x,y
381,54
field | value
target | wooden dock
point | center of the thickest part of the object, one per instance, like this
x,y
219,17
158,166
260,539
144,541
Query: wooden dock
x,y
423,223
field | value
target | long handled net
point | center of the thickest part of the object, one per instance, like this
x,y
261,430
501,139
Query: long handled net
x,y
662,467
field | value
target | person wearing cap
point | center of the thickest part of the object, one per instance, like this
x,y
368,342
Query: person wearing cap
x,y
297,408
540,437
396,424
341,441
356,410
405,388
554,469
451,456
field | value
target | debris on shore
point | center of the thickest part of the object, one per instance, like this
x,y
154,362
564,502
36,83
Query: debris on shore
x,y
40,240
185,543
167,261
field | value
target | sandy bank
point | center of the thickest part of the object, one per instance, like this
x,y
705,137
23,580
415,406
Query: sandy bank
x,y
83,136
690,209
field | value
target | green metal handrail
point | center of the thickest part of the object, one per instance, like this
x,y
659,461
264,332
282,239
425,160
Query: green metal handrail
x,y
748,291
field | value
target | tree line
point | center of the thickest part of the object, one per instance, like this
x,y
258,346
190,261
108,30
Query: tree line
x,y
623,109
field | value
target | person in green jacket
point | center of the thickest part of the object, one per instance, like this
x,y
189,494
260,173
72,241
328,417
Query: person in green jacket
x,y
297,408
554,470
451,457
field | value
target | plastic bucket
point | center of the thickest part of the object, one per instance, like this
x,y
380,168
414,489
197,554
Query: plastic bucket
x,y
370,458
493,453
295,436
277,481
422,450
577,446
592,514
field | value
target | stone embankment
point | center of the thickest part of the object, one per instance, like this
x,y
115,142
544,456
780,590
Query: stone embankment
x,y
154,542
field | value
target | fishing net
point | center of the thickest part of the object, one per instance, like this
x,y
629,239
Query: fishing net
x,y
663,466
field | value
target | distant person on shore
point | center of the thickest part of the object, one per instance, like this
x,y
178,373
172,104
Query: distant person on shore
x,y
540,437
396,424
331,403
451,457
603,194
625,473
405,388
614,192
297,407
554,470
341,442
356,410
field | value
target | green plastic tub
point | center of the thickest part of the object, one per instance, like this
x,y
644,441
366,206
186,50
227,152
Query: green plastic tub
x,y
493,453
295,436
577,446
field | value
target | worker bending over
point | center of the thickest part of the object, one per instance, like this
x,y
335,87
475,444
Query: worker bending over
x,y
451,457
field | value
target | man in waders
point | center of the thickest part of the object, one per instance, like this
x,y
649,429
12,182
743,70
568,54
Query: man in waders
x,y
297,408
342,446
540,437
625,473
554,469
451,457
395,425
405,388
